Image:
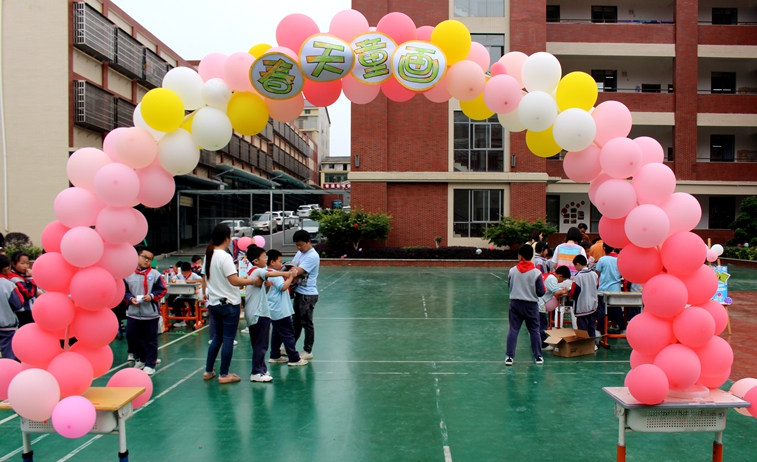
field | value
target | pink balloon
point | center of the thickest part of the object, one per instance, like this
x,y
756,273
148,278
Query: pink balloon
x,y
52,235
92,288
637,359
649,334
439,92
683,253
424,33
73,373
33,393
620,158
35,346
236,71
712,255
81,246
117,185
740,388
119,259
465,80
53,311
480,55
595,184
654,183
53,273
133,378
77,207
684,212
393,90
651,150
613,232
751,396
211,66
358,92
647,225
513,62
613,120
322,94
716,381
156,186
498,69
615,198
9,368
259,241
136,148
100,358
244,242
680,364
109,143
502,94
348,24
286,110
694,327
95,329
116,224
702,285
83,165
638,264
648,384
582,166
664,296
74,417
294,29
398,26
140,231
284,50
716,357
118,296
718,313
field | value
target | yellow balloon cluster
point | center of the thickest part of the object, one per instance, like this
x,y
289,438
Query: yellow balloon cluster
x,y
247,112
476,108
453,38
162,110
259,49
576,90
542,144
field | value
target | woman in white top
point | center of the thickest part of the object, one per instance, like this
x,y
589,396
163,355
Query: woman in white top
x,y
223,302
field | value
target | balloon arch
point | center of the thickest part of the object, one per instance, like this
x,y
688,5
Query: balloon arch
x,y
89,248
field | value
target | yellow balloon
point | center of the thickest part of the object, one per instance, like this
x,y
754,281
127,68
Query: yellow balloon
x,y
247,112
542,144
162,110
476,108
187,124
454,40
258,50
576,90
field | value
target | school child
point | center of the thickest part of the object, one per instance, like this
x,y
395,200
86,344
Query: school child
x,y
10,303
188,276
550,264
584,295
526,287
540,259
173,271
609,281
21,276
556,284
280,305
197,265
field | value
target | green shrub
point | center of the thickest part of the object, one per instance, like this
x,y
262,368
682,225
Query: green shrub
x,y
745,225
340,227
32,250
509,231
740,253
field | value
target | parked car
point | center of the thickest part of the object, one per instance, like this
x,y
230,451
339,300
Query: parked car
x,y
261,222
315,206
346,208
291,219
312,227
239,228
336,204
278,217
304,211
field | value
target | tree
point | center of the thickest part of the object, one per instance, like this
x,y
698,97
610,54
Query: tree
x,y
509,231
745,225
340,227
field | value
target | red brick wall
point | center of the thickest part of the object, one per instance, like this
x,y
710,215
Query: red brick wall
x,y
528,26
528,201
599,33
554,168
685,83
734,104
417,136
370,197
642,102
708,171
727,35
419,213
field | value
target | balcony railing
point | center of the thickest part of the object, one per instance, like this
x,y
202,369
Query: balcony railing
x,y
93,32
740,23
124,115
618,21
742,155
94,107
155,69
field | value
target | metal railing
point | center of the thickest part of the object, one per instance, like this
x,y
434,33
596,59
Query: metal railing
x,y
617,21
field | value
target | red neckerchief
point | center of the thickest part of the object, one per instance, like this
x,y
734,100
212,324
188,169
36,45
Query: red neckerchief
x,y
29,292
525,266
612,254
144,274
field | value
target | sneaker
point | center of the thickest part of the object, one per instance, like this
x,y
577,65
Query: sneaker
x,y
596,347
210,341
260,378
149,370
301,362
246,330
279,360
229,378
306,355
539,360
130,357
236,343
139,365
158,361
548,348
180,324
283,351
508,361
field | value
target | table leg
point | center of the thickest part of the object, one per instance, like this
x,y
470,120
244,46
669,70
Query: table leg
x,y
28,454
123,453
621,451
717,447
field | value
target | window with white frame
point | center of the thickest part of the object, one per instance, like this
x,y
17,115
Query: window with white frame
x,y
480,8
494,44
475,210
479,144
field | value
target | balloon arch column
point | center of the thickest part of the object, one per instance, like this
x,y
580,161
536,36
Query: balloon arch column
x,y
676,347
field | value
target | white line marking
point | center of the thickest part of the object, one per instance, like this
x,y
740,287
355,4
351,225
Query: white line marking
x,y
495,276
429,362
8,419
388,373
448,373
425,313
333,282
442,425
11,454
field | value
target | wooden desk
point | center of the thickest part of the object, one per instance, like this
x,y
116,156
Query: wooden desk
x,y
113,407
186,290
623,300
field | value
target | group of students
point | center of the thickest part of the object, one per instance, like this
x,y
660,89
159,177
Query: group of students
x,y
17,295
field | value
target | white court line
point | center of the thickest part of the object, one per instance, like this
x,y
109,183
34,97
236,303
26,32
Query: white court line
x,y
442,424
425,362
11,454
7,419
333,282
425,313
495,276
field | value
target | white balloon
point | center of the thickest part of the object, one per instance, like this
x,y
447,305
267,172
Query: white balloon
x,y
186,83
537,111
541,72
216,94
511,122
718,249
178,153
211,128
140,122
574,130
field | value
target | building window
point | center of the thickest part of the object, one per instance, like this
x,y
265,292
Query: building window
x,y
480,8
331,166
651,88
606,79
725,16
479,144
723,82
553,211
604,14
307,111
553,13
722,211
475,209
722,148
595,216
669,157
334,177
494,44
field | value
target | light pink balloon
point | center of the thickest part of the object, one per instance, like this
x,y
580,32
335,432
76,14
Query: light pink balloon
x,y
647,225
712,255
740,388
77,207
664,296
294,29
651,150
649,334
393,90
581,166
140,231
52,272
638,264
81,246
694,327
117,185
156,186
136,148
439,92
654,183
620,158
716,356
109,142
637,359
52,235
34,393
284,50
615,198
613,232
595,184
322,94
398,26
348,24
680,364
119,259
683,210
751,397
101,358
613,121
502,94
701,285
465,80
424,33
83,165
480,55
118,296
236,71
35,346
513,63
259,241
498,69
683,253
286,110
211,66
92,288
244,242
648,384
74,416
9,368
95,329
132,377
718,313
53,311
116,224
358,92
73,373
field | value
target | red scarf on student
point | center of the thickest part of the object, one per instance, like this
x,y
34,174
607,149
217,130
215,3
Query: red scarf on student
x,y
612,254
525,266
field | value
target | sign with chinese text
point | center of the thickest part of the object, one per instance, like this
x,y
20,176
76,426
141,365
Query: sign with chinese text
x,y
325,58
722,292
373,53
277,76
418,65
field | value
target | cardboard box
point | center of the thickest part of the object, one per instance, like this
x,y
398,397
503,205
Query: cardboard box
x,y
570,342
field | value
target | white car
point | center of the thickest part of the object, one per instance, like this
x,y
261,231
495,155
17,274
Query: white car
x,y
304,211
312,227
278,217
239,228
261,222
290,219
